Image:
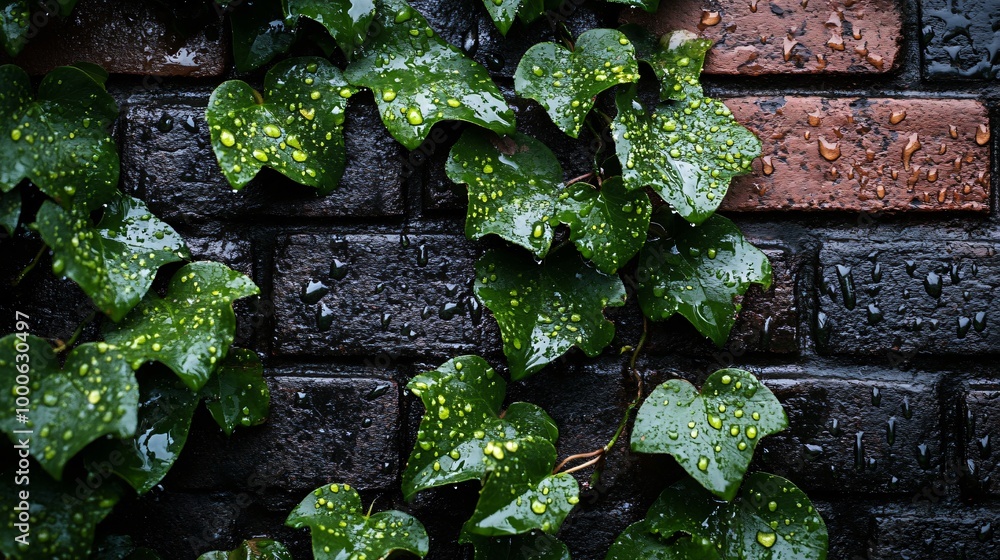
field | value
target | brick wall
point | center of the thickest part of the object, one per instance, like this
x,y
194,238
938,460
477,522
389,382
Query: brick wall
x,y
874,200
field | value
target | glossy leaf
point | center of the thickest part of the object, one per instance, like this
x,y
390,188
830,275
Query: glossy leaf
x,y
639,541
296,128
503,13
687,152
770,520
545,309
15,25
341,530
419,79
59,138
463,437
608,226
166,407
63,517
514,184
253,549
529,546
566,82
346,20
260,33
676,58
711,434
93,394
697,272
191,329
115,262
237,395
10,210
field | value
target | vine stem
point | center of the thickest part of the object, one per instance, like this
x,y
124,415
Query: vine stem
x,y
599,454
31,265
580,178
63,346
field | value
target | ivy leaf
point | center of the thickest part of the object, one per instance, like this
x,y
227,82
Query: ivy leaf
x,y
59,139
63,518
565,82
462,437
513,185
608,226
340,528
545,309
686,152
260,33
529,546
253,549
346,20
639,541
165,410
419,79
10,210
697,272
94,394
237,394
770,520
15,24
676,58
298,131
115,262
190,329
711,434
503,13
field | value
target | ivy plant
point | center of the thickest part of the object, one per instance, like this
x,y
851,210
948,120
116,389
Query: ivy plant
x,y
346,20
15,21
253,549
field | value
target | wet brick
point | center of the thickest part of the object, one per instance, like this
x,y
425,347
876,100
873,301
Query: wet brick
x,y
980,422
846,154
935,533
907,297
783,37
960,39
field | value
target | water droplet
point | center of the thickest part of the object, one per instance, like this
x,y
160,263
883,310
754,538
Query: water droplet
x,y
766,539
313,292
876,396
338,269
846,286
932,284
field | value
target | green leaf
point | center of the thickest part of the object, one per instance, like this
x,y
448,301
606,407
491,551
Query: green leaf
x,y
340,528
771,519
711,434
419,79
686,152
697,271
463,437
648,5
10,210
94,394
514,184
253,549
676,58
639,541
608,226
237,394
165,410
59,139
503,13
189,330
346,20
115,262
297,130
529,546
63,517
260,33
545,309
15,24
566,82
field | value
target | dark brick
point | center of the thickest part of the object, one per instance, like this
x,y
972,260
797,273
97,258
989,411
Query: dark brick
x,y
966,273
827,417
127,38
786,37
180,526
981,416
951,532
960,40
319,430
867,154
168,161
384,281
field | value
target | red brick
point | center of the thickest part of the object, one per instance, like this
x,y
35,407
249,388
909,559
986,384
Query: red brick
x,y
126,38
787,36
847,154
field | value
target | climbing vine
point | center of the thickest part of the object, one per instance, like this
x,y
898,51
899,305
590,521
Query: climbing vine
x,y
644,211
